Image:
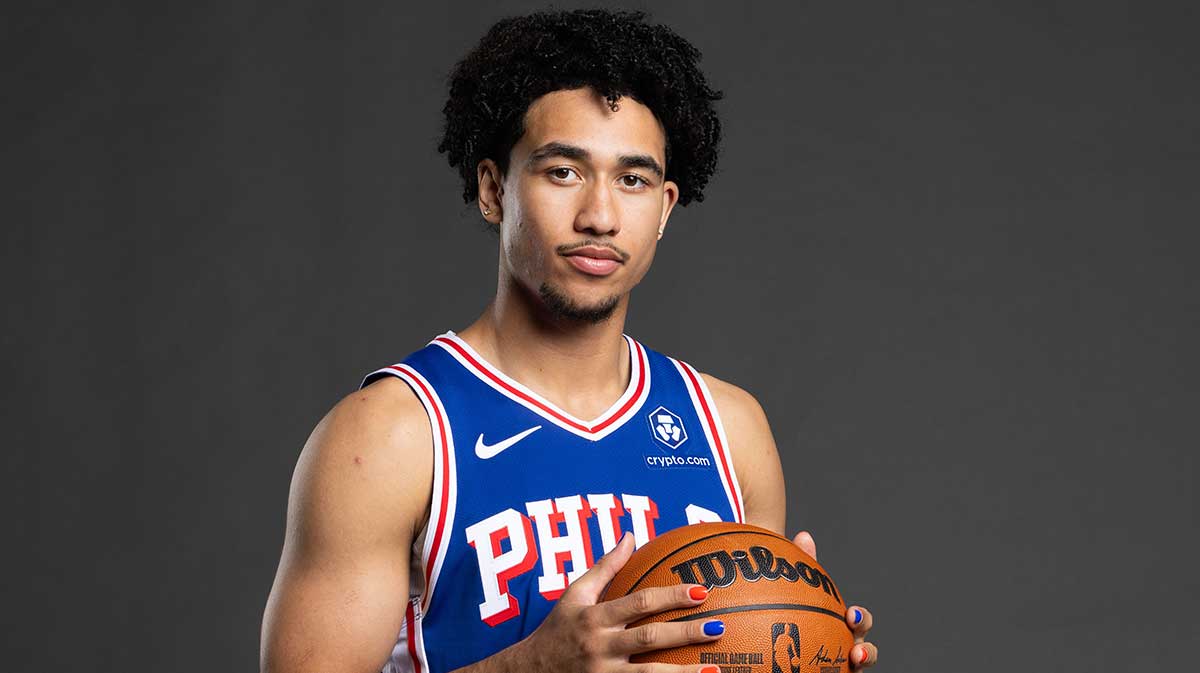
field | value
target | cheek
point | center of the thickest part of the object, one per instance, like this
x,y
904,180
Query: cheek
x,y
648,210
644,256
521,242
510,230
539,213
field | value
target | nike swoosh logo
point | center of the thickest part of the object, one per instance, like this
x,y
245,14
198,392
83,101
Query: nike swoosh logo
x,y
486,451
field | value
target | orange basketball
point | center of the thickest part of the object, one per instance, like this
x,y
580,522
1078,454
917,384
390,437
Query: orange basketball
x,y
782,612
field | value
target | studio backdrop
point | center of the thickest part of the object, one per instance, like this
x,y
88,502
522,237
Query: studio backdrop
x,y
951,248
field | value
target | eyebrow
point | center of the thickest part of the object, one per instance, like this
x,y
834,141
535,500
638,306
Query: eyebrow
x,y
565,151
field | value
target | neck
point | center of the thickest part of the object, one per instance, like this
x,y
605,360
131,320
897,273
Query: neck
x,y
581,367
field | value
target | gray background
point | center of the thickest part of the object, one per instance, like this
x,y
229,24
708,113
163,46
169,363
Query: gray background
x,y
951,248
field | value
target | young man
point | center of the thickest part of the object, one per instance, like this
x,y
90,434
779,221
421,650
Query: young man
x,y
458,512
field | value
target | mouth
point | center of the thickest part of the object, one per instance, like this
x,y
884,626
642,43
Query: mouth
x,y
594,260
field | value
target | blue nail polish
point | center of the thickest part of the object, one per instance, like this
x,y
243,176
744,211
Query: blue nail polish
x,y
857,615
714,628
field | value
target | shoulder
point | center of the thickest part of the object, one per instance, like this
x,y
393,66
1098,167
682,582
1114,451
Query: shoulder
x,y
740,411
385,409
382,421
371,450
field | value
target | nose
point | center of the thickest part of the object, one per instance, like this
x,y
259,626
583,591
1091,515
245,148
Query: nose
x,y
598,212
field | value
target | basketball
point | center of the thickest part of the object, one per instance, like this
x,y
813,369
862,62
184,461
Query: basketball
x,y
782,612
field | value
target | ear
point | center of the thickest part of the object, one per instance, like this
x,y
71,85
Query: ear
x,y
491,191
670,198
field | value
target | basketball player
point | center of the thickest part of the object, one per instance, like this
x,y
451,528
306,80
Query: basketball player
x,y
466,508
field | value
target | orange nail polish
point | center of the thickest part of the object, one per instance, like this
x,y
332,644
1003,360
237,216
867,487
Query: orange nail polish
x,y
864,657
710,669
698,593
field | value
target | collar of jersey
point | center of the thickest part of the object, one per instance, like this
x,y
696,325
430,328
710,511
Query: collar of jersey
x,y
616,415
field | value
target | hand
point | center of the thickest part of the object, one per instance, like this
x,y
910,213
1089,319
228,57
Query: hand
x,y
863,654
583,635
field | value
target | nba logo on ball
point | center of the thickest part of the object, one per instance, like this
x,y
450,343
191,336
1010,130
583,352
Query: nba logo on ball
x,y
785,648
667,427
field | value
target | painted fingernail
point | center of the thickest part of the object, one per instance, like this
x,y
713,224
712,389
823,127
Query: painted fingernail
x,y
697,593
862,658
857,615
714,628
710,669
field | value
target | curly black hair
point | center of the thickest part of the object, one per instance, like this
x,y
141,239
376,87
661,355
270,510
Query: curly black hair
x,y
615,53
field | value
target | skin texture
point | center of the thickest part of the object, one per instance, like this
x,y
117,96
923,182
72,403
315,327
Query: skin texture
x,y
359,495
582,177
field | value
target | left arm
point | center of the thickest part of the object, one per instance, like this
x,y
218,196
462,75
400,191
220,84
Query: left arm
x,y
760,477
755,458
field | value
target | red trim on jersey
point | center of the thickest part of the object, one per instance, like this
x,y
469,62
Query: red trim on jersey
x,y
410,622
445,494
486,370
712,426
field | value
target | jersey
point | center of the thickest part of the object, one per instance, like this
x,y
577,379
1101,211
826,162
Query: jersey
x,y
526,496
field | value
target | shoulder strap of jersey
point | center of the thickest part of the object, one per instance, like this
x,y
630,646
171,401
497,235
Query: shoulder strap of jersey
x,y
413,371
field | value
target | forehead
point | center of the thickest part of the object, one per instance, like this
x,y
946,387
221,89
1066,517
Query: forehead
x,y
582,117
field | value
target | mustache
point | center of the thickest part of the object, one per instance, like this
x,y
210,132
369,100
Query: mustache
x,y
570,247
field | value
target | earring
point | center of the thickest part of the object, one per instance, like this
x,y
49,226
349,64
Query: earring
x,y
487,211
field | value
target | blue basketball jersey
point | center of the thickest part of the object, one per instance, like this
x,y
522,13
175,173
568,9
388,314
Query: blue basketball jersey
x,y
527,497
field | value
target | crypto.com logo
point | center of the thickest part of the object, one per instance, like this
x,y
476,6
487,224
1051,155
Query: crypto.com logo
x,y
667,427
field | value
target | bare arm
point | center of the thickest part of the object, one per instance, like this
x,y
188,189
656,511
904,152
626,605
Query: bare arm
x,y
359,495
755,458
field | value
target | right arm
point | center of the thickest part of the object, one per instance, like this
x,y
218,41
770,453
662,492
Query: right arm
x,y
360,494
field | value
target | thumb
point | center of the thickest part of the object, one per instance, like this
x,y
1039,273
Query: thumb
x,y
804,540
590,585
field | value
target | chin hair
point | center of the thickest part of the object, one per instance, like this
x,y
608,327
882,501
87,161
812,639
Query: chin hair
x,y
560,306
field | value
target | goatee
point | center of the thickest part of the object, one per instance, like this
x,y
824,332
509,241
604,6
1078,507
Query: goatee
x,y
560,306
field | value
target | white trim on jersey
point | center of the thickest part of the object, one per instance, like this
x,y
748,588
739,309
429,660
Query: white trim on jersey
x,y
419,649
622,410
710,421
405,657
445,477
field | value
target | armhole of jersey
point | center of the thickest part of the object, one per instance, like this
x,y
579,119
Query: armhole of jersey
x,y
445,482
714,432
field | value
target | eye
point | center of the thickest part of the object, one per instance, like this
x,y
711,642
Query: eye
x,y
633,181
562,173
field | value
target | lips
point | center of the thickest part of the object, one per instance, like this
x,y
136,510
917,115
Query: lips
x,y
594,260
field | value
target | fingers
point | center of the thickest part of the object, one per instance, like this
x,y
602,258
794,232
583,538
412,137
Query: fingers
x,y
661,635
590,585
860,621
804,540
863,655
647,602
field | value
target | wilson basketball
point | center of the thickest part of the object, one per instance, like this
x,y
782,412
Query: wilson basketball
x,y
782,612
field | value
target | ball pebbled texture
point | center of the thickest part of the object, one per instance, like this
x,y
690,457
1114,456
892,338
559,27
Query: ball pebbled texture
x,y
782,611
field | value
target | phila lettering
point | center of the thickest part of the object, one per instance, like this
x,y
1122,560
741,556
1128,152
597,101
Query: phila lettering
x,y
556,537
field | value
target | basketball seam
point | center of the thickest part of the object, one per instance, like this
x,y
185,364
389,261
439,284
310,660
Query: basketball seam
x,y
760,606
695,542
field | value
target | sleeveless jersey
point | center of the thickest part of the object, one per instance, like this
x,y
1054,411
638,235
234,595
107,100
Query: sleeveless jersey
x,y
526,497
